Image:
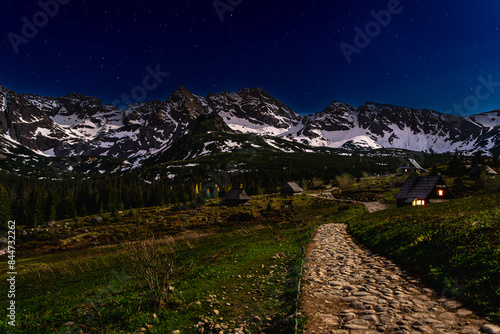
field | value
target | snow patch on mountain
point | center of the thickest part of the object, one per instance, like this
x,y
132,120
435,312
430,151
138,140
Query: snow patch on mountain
x,y
250,126
78,125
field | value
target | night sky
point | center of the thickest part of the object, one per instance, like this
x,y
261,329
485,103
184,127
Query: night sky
x,y
432,54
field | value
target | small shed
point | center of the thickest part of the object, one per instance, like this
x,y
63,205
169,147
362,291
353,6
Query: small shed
x,y
291,189
410,167
236,197
490,171
423,190
475,171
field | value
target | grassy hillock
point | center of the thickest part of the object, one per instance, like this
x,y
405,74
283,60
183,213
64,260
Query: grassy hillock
x,y
453,246
234,267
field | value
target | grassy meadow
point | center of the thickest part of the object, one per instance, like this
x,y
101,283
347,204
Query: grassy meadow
x,y
237,269
234,267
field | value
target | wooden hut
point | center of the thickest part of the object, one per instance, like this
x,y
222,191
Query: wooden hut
x,y
291,189
475,171
490,171
236,197
411,166
423,190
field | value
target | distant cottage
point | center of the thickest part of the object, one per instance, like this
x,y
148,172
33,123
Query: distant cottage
x,y
291,189
236,197
475,171
422,190
411,166
490,171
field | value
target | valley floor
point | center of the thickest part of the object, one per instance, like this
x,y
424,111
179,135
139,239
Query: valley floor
x,y
348,289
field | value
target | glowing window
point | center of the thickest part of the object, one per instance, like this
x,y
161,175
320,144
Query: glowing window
x,y
440,192
418,202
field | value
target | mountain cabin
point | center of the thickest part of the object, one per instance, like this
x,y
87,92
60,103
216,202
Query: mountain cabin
x,y
423,190
291,189
236,197
475,171
410,167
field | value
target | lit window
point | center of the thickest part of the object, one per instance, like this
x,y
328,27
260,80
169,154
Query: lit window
x,y
440,192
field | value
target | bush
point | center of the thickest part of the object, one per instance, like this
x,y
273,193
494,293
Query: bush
x,y
152,265
345,180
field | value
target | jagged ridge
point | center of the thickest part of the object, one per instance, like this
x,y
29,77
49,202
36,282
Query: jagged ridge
x,y
80,125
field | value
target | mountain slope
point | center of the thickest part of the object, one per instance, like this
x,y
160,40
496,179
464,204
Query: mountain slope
x,y
253,110
77,125
386,126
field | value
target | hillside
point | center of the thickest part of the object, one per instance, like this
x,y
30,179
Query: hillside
x,y
238,267
81,126
452,246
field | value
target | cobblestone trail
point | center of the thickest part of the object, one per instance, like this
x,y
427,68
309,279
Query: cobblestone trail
x,y
349,290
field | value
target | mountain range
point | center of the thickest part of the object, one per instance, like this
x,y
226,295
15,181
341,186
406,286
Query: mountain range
x,y
78,125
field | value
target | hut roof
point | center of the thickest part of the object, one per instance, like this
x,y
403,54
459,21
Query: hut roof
x,y
490,170
474,171
415,164
237,195
419,187
291,187
477,169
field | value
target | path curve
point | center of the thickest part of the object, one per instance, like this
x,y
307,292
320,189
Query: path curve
x,y
349,290
370,206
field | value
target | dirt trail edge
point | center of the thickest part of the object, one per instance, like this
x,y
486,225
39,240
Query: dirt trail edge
x,y
349,290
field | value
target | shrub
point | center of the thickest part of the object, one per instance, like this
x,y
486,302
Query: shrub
x,y
345,180
152,265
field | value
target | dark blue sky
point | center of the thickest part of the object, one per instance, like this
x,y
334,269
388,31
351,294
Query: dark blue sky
x,y
432,54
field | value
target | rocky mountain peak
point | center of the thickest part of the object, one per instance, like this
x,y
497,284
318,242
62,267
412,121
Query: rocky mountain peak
x,y
181,90
77,124
184,101
254,91
337,107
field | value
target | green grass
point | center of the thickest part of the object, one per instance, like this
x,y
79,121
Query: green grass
x,y
241,269
243,261
454,246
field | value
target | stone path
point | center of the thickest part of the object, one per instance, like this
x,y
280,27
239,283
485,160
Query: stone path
x,y
349,290
370,206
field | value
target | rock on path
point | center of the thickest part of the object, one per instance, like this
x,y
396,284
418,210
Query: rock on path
x,y
349,290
